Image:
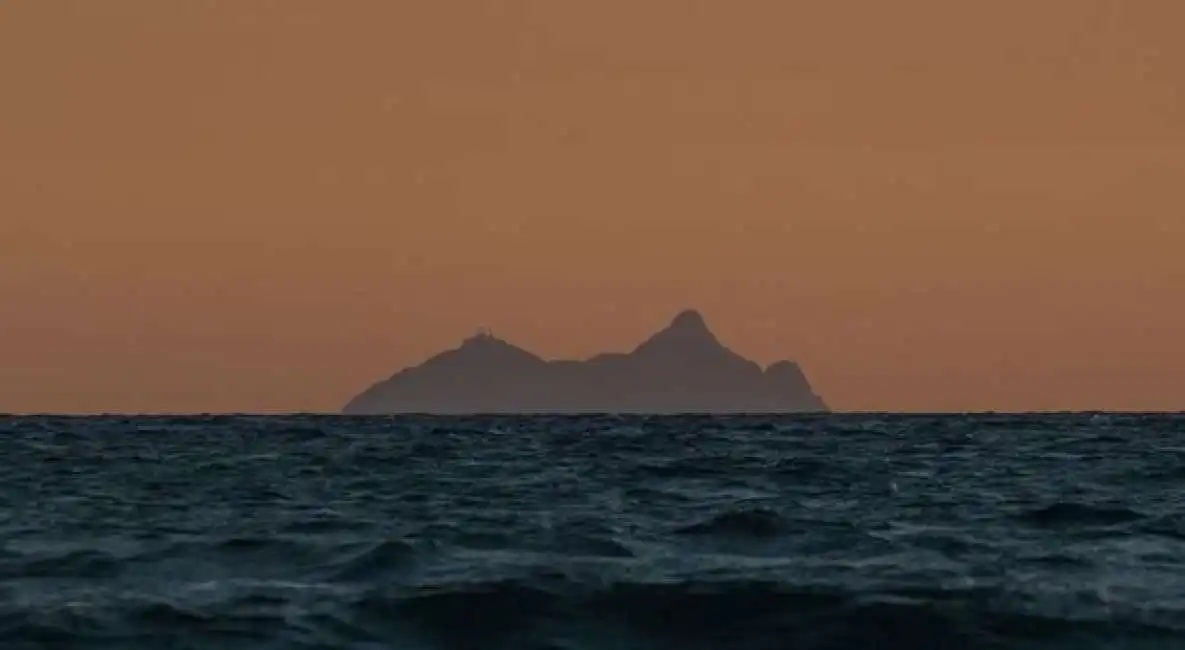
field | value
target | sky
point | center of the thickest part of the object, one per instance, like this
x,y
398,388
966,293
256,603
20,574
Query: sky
x,y
266,206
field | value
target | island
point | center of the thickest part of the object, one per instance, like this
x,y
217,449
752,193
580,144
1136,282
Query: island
x,y
682,369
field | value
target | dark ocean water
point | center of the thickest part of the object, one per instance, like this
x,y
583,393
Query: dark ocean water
x,y
852,532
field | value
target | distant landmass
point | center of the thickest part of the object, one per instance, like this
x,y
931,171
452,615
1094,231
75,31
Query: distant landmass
x,y
682,369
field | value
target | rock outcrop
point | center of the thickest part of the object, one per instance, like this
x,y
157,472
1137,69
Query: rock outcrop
x,y
682,369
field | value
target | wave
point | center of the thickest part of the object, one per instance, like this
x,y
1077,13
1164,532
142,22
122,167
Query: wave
x,y
83,563
1069,514
375,562
553,611
685,468
748,522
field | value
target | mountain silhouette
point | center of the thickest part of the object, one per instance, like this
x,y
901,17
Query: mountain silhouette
x,y
683,368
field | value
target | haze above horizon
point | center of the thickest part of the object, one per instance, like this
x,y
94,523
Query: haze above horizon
x,y
262,206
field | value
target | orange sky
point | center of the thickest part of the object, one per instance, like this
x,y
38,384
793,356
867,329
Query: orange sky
x,y
242,205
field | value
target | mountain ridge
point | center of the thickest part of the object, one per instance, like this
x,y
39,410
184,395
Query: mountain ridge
x,y
682,368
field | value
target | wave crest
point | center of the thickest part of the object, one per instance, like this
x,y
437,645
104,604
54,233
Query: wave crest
x,y
753,521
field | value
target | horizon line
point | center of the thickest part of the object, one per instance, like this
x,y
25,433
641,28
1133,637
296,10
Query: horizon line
x,y
832,412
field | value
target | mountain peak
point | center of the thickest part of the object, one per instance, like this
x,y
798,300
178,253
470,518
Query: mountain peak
x,y
687,332
688,319
482,337
487,348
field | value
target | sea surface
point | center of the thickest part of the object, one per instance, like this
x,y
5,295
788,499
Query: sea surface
x,y
598,532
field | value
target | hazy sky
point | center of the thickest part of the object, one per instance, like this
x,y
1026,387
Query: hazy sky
x,y
249,205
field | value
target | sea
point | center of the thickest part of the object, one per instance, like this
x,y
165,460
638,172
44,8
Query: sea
x,y
593,532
